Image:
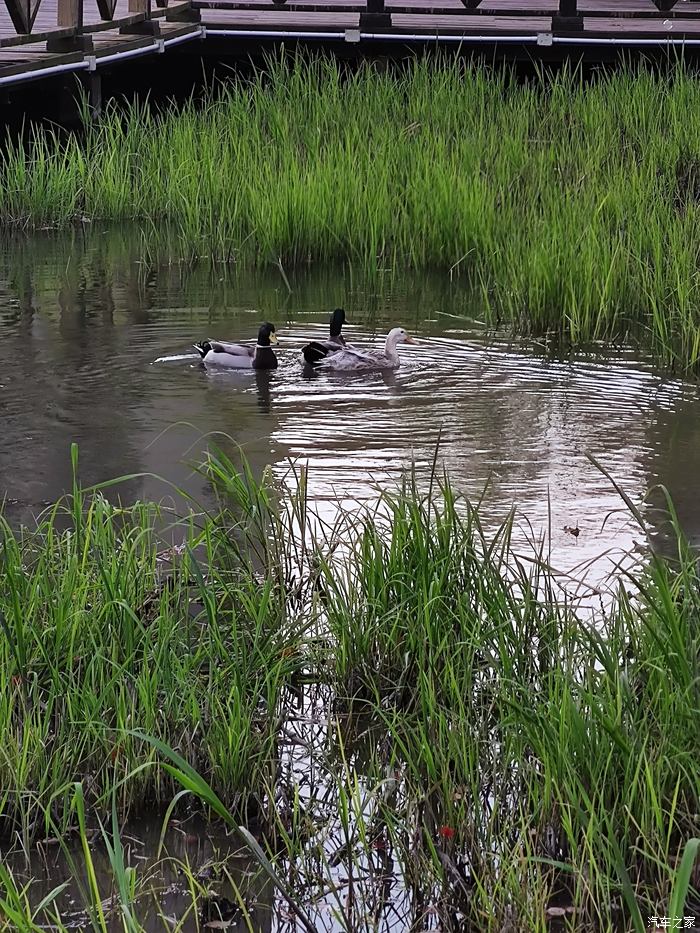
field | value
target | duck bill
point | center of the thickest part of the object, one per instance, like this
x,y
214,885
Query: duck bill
x,y
409,339
273,338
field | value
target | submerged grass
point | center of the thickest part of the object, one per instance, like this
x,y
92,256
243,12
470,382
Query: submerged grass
x,y
572,206
489,756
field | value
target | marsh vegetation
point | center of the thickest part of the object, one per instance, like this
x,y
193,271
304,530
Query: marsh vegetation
x,y
571,205
489,752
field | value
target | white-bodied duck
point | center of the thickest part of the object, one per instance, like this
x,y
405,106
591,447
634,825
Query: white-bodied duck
x,y
350,360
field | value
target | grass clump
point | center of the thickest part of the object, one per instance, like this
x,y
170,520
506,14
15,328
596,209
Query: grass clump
x,y
553,751
477,750
570,206
117,618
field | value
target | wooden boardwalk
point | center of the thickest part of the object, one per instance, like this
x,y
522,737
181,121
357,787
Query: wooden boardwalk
x,y
39,38
600,20
52,46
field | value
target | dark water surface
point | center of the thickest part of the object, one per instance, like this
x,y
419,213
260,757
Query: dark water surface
x,y
83,318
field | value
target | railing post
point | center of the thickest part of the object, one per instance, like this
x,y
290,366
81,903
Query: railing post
x,y
568,19
69,15
140,6
146,26
375,16
181,16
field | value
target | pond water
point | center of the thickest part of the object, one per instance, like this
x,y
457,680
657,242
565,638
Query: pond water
x,y
191,875
84,320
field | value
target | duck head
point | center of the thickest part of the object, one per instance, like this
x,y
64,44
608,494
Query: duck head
x,y
264,356
398,335
266,335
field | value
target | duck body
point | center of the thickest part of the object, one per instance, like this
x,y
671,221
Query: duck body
x,y
237,356
350,360
317,350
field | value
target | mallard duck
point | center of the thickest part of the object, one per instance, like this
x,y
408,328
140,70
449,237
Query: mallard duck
x,y
318,350
237,356
348,359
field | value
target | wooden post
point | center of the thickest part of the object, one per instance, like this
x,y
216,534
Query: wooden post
x,y
70,14
376,15
146,26
182,16
568,19
94,81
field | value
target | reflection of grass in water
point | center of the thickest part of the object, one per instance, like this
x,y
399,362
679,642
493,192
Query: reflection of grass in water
x,y
55,272
526,760
572,206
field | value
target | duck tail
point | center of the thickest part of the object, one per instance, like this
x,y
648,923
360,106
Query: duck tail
x,y
314,352
202,348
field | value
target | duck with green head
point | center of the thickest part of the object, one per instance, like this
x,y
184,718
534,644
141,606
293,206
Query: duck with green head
x,y
238,356
318,350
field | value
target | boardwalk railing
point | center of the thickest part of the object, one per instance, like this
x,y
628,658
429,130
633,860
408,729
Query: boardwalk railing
x,y
65,24
70,19
652,20
94,28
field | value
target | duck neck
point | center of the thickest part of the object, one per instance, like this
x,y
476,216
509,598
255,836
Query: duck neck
x,y
391,351
264,358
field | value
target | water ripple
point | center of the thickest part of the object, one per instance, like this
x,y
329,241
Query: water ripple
x,y
509,420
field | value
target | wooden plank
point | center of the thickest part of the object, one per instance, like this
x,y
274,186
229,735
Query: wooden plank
x,y
410,23
106,43
28,53
7,41
175,30
417,8
276,20
36,62
643,29
483,25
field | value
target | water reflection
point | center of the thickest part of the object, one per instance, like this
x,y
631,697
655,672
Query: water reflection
x,y
186,860
83,317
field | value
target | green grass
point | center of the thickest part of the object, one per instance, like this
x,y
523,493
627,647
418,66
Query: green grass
x,y
103,629
550,742
571,207
490,752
